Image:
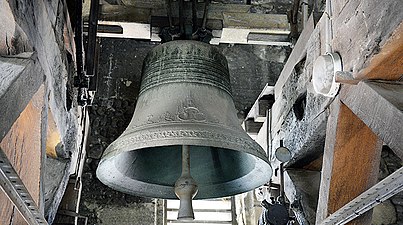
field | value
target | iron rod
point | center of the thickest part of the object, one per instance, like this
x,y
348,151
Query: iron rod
x,y
194,14
185,160
206,4
282,179
78,38
169,11
181,19
92,37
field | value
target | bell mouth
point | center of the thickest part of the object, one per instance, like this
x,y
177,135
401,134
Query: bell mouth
x,y
152,172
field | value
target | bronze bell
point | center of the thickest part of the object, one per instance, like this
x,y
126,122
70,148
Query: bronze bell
x,y
185,100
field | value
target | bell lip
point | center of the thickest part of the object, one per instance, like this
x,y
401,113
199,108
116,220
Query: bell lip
x,y
216,136
112,177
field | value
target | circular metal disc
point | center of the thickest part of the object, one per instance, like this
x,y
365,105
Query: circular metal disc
x,y
283,154
324,72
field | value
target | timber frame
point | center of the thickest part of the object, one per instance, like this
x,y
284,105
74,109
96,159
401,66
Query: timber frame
x,y
366,113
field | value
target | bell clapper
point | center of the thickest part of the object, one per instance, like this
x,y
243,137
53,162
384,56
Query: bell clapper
x,y
185,187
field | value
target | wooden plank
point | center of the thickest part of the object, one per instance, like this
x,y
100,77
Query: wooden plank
x,y
135,13
275,22
22,145
380,106
352,153
232,35
130,30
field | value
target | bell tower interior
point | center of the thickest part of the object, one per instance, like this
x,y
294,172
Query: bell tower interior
x,y
261,111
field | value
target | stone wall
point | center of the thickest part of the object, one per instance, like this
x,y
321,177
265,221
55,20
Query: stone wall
x,y
119,75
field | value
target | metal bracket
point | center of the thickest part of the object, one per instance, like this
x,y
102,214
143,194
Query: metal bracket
x,y
16,191
378,193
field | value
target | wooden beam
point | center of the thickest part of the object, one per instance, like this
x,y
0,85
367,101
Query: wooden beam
x,y
368,39
275,22
21,76
350,162
302,188
380,106
135,13
22,146
281,107
388,63
12,185
263,102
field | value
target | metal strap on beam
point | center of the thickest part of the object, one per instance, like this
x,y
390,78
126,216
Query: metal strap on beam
x,y
16,191
378,193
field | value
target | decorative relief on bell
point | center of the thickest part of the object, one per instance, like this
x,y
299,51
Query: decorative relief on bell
x,y
188,111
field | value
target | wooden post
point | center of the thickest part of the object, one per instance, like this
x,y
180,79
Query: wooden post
x,y
22,146
350,162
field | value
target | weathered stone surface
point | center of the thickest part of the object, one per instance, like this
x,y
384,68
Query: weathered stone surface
x,y
100,202
302,188
132,213
13,39
55,181
392,211
251,67
384,213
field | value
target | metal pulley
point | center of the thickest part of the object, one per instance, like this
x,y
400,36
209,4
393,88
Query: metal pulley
x,y
185,102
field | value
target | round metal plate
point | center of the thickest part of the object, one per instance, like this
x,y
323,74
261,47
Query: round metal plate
x,y
324,73
283,154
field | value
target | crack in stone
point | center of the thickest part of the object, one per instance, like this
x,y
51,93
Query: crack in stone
x,y
8,47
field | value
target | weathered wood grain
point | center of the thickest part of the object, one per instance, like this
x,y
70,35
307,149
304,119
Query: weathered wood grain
x,y
22,145
350,162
